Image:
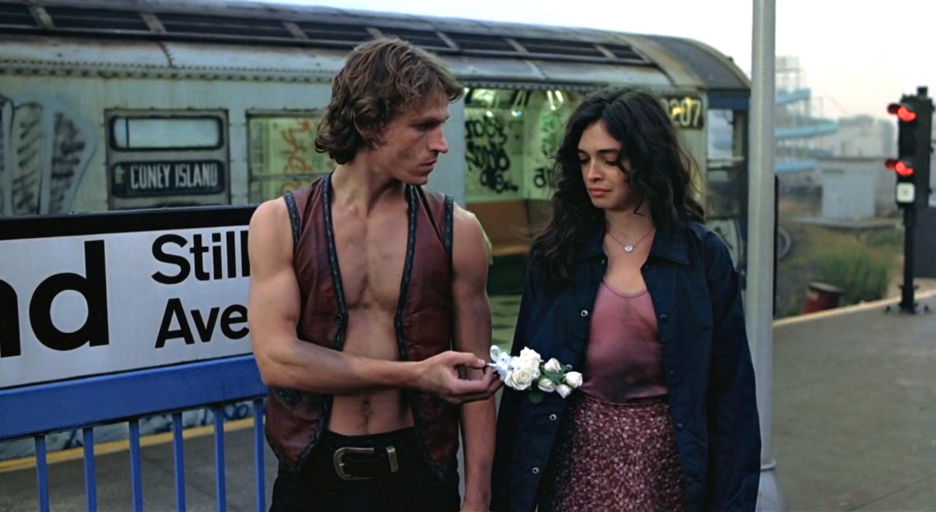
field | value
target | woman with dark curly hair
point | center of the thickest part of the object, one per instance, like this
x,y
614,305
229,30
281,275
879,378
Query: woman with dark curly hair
x,y
627,285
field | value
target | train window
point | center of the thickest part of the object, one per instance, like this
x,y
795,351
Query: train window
x,y
511,138
282,153
152,133
725,164
720,134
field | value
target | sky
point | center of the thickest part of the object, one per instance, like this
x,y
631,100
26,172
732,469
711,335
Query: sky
x,y
857,56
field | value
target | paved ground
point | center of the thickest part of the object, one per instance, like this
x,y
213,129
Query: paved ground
x,y
855,411
854,426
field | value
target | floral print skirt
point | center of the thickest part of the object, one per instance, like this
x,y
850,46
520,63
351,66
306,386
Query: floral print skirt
x,y
614,456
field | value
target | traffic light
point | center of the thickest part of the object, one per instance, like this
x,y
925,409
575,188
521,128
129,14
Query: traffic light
x,y
912,165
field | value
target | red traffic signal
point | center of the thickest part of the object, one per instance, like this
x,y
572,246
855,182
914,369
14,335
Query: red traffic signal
x,y
899,166
903,112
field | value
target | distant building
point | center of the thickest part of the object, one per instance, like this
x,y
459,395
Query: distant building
x,y
854,180
855,187
860,136
833,167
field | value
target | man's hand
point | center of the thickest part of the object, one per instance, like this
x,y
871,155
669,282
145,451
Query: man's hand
x,y
439,375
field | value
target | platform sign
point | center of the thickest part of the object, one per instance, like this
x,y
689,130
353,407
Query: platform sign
x,y
95,294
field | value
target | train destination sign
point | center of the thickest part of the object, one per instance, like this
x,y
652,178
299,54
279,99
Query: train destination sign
x,y
175,178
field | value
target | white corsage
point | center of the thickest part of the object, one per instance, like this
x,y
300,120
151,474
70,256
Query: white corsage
x,y
528,372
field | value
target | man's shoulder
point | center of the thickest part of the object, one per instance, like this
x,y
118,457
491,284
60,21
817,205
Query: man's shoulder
x,y
470,242
275,213
465,217
268,240
269,214
270,224
466,223
438,203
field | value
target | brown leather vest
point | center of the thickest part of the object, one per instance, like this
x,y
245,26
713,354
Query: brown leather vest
x,y
423,322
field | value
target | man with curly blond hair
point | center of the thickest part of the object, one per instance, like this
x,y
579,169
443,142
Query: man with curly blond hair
x,y
368,310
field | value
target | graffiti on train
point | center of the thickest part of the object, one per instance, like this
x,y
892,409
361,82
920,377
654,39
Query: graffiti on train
x,y
45,149
551,131
487,148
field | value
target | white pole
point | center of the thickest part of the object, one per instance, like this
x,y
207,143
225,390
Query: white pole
x,y
760,292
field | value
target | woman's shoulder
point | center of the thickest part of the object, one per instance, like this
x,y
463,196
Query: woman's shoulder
x,y
713,247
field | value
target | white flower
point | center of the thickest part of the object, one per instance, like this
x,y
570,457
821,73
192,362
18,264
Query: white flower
x,y
553,366
530,363
563,390
531,356
573,379
521,377
546,385
509,382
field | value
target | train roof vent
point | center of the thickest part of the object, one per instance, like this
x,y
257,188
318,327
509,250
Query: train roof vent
x,y
16,15
559,48
334,32
481,43
72,18
626,52
224,26
422,38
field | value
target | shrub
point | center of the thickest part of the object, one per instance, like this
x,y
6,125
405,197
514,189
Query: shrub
x,y
886,238
862,272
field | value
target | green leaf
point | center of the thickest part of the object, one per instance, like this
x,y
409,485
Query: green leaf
x,y
536,395
553,376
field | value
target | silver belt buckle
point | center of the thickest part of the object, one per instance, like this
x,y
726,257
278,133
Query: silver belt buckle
x,y
339,462
341,452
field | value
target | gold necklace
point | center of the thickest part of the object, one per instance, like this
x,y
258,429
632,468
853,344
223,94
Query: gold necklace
x,y
629,247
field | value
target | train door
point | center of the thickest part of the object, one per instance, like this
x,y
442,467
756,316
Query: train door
x,y
715,137
727,174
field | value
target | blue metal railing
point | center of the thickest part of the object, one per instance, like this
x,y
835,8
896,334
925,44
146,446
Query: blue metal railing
x,y
815,128
785,97
84,403
796,166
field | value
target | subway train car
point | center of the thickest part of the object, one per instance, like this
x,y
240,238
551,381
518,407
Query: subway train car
x,y
127,104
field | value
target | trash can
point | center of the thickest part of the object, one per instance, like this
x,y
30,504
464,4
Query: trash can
x,y
821,296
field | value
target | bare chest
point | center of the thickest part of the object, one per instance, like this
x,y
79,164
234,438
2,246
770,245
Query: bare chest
x,y
371,256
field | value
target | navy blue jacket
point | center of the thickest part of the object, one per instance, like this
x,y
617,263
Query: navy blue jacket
x,y
707,362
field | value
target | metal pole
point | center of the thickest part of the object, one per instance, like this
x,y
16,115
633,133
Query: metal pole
x,y
907,302
760,292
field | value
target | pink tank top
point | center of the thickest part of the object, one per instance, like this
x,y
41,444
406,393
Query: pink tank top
x,y
624,358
